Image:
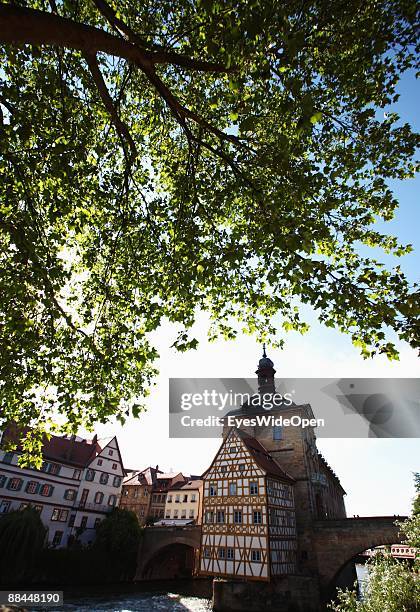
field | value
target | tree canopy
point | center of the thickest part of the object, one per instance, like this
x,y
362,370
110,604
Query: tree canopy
x,y
22,537
162,158
117,542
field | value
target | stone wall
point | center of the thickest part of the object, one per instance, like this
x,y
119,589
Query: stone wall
x,y
290,594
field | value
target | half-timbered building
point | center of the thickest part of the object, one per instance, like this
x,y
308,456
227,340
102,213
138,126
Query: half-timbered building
x,y
264,481
249,526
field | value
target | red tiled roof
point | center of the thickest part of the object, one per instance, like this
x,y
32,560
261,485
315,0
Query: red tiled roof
x,y
263,458
71,451
192,484
62,449
145,477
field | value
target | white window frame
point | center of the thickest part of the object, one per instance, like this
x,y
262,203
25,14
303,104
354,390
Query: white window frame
x,y
253,485
237,514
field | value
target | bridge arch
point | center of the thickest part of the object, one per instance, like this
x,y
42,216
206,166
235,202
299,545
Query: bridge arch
x,y
166,541
170,562
337,542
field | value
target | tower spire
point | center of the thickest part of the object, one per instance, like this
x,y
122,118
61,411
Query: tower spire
x,y
265,373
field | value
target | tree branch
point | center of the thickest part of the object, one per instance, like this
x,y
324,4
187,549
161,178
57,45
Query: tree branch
x,y
181,111
17,234
160,54
29,26
120,126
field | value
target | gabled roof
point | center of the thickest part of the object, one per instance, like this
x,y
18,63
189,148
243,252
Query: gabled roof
x,y
62,449
143,477
68,450
262,457
167,475
191,485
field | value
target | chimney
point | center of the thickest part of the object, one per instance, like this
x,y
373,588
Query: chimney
x,y
94,439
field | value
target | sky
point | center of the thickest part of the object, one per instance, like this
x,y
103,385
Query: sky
x,y
376,473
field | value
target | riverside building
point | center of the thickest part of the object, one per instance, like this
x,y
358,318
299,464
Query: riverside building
x,y
184,502
78,484
264,491
145,492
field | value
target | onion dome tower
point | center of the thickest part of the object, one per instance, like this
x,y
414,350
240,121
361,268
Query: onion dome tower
x,y
266,374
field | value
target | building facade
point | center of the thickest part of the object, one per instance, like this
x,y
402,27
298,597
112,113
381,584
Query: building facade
x,y
258,519
78,484
184,502
145,493
136,493
249,526
164,481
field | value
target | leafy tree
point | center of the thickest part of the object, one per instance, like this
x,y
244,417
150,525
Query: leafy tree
x,y
393,585
117,542
416,503
162,158
22,537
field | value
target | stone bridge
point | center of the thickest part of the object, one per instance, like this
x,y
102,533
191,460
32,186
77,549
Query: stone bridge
x,y
156,539
337,541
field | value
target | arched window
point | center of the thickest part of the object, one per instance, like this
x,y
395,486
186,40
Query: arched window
x,y
112,500
90,475
104,478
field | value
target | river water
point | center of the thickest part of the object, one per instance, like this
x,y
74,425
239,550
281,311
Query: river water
x,y
177,596
142,602
132,599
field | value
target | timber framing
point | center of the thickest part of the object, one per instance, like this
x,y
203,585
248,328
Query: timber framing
x,y
249,526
